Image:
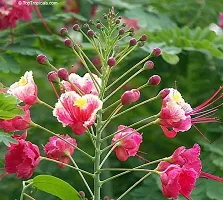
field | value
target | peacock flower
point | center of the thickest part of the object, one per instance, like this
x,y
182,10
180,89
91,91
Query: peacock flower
x,y
129,145
58,149
78,112
179,174
25,89
84,84
178,116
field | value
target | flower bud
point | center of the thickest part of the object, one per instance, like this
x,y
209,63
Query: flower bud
x,y
149,65
63,74
76,27
64,31
98,21
131,29
132,42
90,33
91,21
121,31
99,25
53,77
156,51
42,59
141,43
143,37
154,80
82,194
85,26
106,198
111,61
130,96
163,93
68,42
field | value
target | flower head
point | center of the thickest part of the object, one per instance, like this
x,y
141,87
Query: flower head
x,y
17,123
78,112
22,159
58,149
177,116
85,83
129,145
25,89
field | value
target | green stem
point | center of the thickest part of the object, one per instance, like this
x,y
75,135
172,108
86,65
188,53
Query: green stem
x,y
58,136
127,72
140,166
91,137
75,168
24,189
130,126
137,105
139,181
110,106
44,103
130,170
81,175
106,157
118,88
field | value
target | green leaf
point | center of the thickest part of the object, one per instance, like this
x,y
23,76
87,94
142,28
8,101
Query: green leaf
x,y
24,50
6,139
173,59
8,107
56,187
8,63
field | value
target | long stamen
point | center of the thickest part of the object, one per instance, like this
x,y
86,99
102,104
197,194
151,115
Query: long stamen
x,y
216,178
141,158
208,114
198,113
201,134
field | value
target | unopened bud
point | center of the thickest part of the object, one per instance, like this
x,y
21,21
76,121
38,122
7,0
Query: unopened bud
x,y
86,26
68,42
82,194
76,27
106,198
91,21
63,74
156,51
121,31
143,37
132,42
163,93
130,96
141,43
42,59
99,25
149,65
64,32
90,33
154,80
53,77
98,21
111,61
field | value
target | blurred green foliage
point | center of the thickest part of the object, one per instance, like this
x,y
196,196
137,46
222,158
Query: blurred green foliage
x,y
192,56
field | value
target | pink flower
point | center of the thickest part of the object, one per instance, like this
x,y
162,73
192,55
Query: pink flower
x,y
17,123
128,146
85,83
78,112
176,180
58,149
177,116
220,23
130,96
179,174
22,159
131,23
25,90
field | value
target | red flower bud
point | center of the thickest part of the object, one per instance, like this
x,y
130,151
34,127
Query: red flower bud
x,y
154,80
156,51
76,27
68,42
99,25
143,37
90,33
132,42
149,64
82,194
106,198
163,93
111,61
42,59
64,31
121,31
63,74
130,96
53,77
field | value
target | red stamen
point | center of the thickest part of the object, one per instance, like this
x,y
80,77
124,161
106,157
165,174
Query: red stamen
x,y
201,134
198,113
208,100
141,158
207,114
3,175
142,152
210,176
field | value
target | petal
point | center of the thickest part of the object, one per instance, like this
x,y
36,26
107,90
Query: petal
x,y
121,154
169,134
